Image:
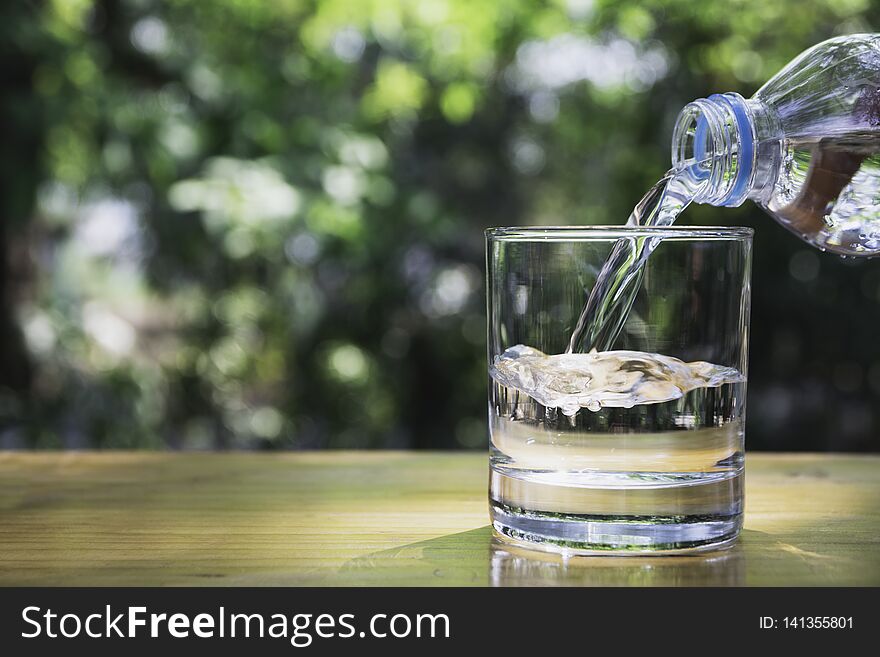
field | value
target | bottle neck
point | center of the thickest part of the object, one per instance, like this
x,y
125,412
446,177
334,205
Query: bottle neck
x,y
730,145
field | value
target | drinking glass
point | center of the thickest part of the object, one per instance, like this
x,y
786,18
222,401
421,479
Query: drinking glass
x,y
624,451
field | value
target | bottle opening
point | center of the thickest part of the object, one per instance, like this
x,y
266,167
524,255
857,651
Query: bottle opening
x,y
691,144
713,141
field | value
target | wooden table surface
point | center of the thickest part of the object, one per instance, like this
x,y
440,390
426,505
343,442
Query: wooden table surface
x,y
387,518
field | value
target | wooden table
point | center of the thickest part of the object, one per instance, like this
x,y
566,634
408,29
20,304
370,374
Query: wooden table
x,y
386,518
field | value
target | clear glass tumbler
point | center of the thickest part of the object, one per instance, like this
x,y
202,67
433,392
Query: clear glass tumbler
x,y
638,449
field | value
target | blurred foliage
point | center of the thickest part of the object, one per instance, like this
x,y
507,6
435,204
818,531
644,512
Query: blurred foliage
x,y
242,223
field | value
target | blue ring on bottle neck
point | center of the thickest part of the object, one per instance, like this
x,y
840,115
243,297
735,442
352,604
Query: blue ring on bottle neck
x,y
745,156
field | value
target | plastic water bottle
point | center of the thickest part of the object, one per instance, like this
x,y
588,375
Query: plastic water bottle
x,y
805,147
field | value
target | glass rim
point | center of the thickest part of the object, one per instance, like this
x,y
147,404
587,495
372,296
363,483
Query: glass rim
x,y
610,233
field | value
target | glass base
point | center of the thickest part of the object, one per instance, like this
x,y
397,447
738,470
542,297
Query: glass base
x,y
610,535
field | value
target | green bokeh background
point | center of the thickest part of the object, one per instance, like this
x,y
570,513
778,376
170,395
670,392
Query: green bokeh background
x,y
254,224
